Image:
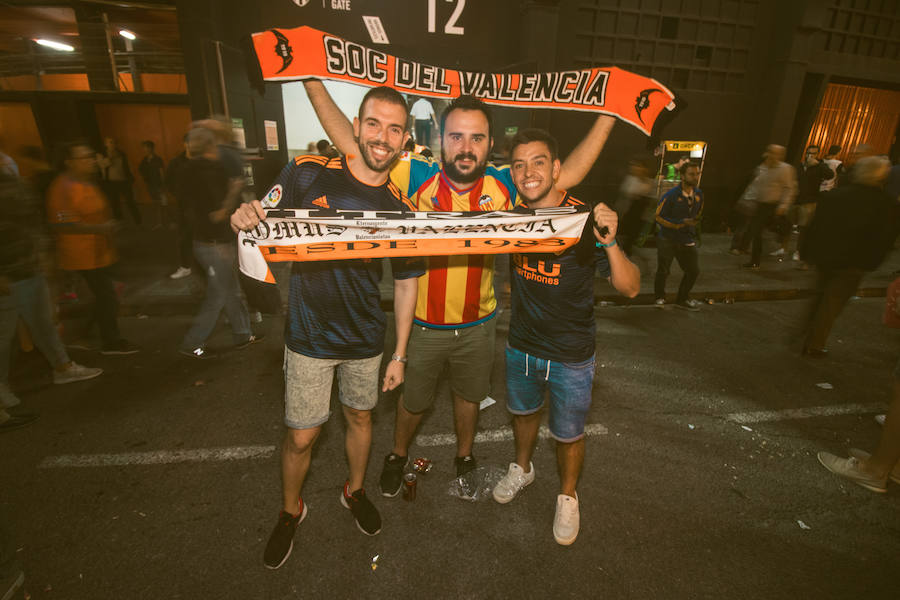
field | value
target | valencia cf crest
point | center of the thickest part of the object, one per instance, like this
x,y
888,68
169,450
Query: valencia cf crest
x,y
485,199
643,101
283,49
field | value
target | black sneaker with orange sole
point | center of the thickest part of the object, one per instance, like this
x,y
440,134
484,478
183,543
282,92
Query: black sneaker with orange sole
x,y
367,518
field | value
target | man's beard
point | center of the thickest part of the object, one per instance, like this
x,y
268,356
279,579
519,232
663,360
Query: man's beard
x,y
371,162
458,177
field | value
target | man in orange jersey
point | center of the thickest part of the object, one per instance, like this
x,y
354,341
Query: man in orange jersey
x,y
454,322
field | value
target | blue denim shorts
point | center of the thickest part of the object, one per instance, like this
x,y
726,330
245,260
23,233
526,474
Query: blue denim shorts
x,y
527,378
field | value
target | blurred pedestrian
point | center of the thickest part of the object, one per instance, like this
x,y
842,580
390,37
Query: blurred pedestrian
x,y
118,182
872,471
27,296
836,166
326,149
775,188
177,169
207,183
423,113
678,214
80,219
853,230
635,195
151,169
672,172
811,175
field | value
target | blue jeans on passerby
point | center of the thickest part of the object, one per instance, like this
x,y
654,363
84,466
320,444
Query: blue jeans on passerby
x,y
570,384
31,299
222,291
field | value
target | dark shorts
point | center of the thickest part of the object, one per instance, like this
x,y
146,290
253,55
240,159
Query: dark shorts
x,y
468,351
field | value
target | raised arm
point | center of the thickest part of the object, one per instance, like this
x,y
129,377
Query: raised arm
x,y
584,155
333,121
625,276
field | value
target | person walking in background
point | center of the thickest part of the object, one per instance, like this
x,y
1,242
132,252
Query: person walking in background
x,y
118,182
423,114
80,218
852,232
835,166
176,170
811,174
872,471
678,215
775,187
26,295
151,170
635,195
207,183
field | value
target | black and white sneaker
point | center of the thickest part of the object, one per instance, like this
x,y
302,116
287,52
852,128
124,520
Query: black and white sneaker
x,y
281,541
200,353
391,481
367,518
464,464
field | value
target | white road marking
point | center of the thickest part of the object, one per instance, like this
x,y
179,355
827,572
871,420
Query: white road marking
x,y
497,435
158,457
804,413
503,434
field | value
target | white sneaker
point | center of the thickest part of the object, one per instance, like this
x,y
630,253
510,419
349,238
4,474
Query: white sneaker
x,y
7,398
659,303
795,255
180,273
75,373
567,519
514,480
880,419
779,252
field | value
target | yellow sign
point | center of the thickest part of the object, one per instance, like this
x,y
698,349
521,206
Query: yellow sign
x,y
684,146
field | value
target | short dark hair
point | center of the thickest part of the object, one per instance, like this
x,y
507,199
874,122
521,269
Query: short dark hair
x,y
149,144
526,136
386,94
811,146
683,168
467,102
833,149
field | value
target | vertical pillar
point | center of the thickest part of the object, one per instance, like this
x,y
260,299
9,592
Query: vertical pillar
x,y
94,49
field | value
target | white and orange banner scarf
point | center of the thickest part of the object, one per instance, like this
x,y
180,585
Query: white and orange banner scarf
x,y
305,53
316,234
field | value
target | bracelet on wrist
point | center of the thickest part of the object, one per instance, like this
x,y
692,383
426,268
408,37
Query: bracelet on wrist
x,y
609,245
399,359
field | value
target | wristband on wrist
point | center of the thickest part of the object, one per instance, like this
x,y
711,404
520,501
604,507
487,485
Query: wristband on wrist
x,y
609,245
399,359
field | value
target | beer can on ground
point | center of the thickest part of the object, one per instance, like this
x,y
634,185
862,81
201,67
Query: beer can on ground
x,y
409,487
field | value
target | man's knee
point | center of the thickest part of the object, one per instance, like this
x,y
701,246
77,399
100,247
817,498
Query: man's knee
x,y
358,418
299,441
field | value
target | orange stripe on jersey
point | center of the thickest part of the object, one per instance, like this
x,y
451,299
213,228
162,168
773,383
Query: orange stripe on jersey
x,y
395,191
310,158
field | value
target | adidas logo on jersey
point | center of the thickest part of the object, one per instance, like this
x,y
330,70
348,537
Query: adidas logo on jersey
x,y
321,202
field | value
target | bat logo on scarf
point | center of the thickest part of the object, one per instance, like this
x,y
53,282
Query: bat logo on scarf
x,y
643,101
283,49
